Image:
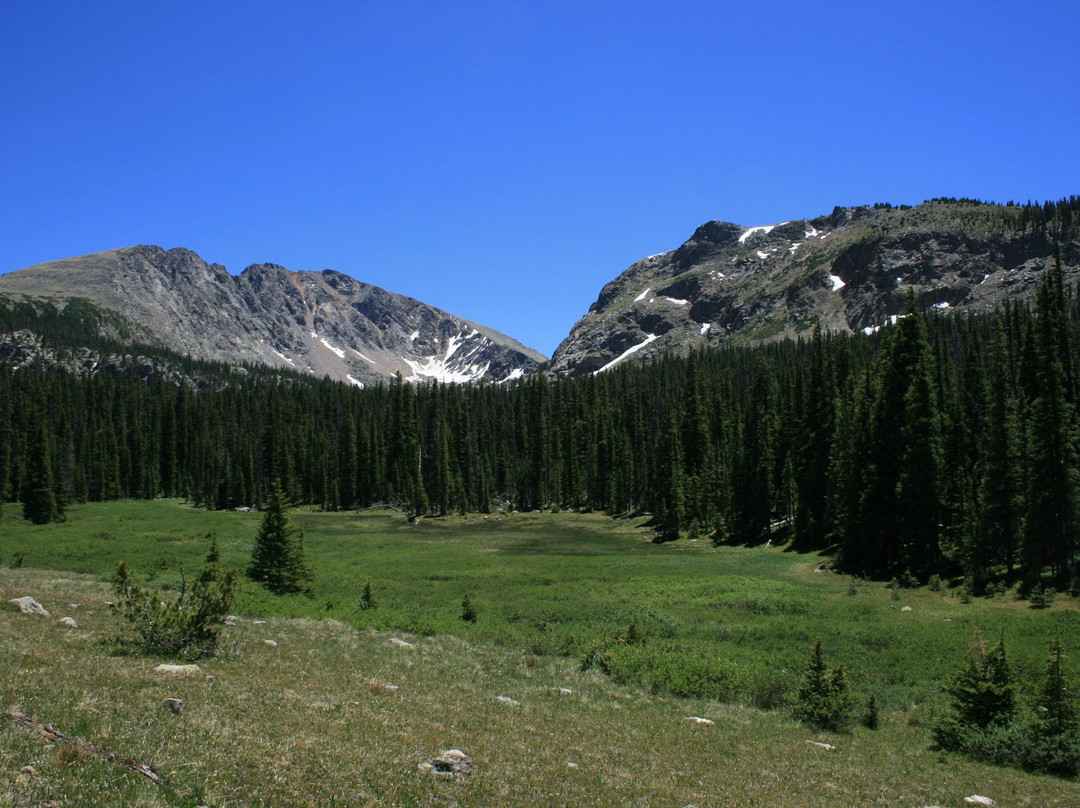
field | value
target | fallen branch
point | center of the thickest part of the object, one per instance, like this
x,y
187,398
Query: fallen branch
x,y
53,734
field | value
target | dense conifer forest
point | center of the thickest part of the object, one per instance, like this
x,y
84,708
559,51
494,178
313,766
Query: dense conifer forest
x,y
944,444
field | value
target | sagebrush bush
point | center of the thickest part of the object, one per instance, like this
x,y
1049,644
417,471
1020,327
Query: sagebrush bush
x,y
189,625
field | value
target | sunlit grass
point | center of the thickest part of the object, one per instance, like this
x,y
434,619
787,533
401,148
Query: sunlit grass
x,y
313,720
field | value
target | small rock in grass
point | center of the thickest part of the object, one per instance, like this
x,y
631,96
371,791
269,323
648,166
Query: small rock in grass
x,y
27,605
572,765
379,686
508,700
697,719
68,621
229,623
260,622
401,643
906,609
827,746
179,670
452,761
271,643
74,605
28,770
977,799
175,705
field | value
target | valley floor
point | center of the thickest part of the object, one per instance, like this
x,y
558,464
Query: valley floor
x,y
337,712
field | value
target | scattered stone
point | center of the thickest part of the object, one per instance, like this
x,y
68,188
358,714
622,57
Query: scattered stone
x,y
179,670
260,622
401,643
508,700
906,609
821,568
74,605
826,746
563,691
977,799
68,621
379,686
27,605
229,623
175,705
452,761
697,719
271,643
28,770
572,765
232,617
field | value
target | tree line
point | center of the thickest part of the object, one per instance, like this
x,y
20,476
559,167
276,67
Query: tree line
x,y
943,444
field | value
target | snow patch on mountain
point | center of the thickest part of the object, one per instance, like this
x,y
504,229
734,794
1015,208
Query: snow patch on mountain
x,y
283,356
761,228
628,352
339,351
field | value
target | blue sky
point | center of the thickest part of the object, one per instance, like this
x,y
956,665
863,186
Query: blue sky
x,y
504,160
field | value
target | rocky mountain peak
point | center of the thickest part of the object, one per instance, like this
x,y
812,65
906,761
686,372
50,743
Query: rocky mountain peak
x,y
850,270
325,323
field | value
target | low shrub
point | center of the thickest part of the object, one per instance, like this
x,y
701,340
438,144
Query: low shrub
x,y
188,625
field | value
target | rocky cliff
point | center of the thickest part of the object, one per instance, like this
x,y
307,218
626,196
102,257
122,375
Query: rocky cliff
x,y
324,323
852,270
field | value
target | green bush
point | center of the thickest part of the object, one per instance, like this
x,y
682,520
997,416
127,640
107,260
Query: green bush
x,y
468,610
823,700
188,625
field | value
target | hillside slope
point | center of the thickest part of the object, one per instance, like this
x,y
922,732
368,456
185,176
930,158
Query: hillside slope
x,y
852,270
324,323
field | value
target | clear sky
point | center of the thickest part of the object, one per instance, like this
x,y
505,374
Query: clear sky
x,y
504,160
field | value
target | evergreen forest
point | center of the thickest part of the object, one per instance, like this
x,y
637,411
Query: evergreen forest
x,y
941,445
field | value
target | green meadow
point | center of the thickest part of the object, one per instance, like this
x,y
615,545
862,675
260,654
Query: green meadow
x,y
722,633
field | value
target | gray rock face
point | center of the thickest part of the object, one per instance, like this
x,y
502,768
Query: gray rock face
x,y
324,323
27,605
852,270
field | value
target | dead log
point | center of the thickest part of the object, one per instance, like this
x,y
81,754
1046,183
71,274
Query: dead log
x,y
51,733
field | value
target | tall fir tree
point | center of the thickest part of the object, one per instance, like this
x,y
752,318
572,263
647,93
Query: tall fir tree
x,y
279,558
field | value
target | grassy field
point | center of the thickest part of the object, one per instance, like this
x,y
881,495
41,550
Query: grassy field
x,y
311,720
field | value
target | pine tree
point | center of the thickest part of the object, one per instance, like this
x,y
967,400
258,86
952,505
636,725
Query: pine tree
x,y
982,696
1053,506
279,559
823,699
918,489
38,492
1053,741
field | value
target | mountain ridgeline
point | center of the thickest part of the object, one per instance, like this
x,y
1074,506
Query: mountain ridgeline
x,y
945,443
850,271
938,445
322,323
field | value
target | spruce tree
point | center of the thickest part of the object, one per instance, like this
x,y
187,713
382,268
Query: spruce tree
x,y
823,699
1053,502
279,559
1053,742
38,492
982,696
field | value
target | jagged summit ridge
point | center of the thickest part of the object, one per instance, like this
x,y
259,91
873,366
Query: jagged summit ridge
x,y
852,270
324,323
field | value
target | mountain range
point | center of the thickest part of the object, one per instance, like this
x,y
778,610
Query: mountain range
x,y
853,270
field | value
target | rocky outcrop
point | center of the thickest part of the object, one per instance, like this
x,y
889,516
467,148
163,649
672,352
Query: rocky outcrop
x,y
852,270
324,323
